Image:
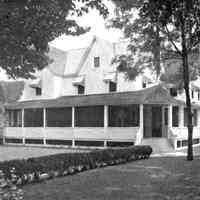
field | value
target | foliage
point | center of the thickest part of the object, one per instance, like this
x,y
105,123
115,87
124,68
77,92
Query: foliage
x,y
35,169
8,189
27,26
149,44
174,26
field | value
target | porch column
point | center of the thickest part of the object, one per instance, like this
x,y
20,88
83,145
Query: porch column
x,y
23,139
105,123
170,116
44,117
22,118
181,116
141,121
198,117
44,125
73,125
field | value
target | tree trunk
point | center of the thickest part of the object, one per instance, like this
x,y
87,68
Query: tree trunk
x,y
187,92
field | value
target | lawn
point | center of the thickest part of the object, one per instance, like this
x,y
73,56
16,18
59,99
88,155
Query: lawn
x,y
171,178
24,152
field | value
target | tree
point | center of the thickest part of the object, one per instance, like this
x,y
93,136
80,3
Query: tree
x,y
27,26
174,28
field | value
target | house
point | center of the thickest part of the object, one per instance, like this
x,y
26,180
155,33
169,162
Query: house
x,y
81,100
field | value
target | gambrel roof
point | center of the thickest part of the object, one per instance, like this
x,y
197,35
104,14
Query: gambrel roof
x,y
69,63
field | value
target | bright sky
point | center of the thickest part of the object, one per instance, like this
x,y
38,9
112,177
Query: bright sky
x,y
97,24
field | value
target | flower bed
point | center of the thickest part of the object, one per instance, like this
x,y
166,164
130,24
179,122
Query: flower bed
x,y
46,167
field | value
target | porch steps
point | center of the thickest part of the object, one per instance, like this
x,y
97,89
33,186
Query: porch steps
x,y
159,145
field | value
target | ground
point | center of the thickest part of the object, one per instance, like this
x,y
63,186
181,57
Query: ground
x,y
159,178
19,152
171,178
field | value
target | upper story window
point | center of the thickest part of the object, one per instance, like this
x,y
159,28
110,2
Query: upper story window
x,y
173,92
112,86
144,84
81,89
198,94
96,61
192,94
38,91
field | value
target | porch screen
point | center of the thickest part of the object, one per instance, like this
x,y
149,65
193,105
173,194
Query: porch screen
x,y
14,118
175,110
59,117
91,116
33,117
124,116
194,119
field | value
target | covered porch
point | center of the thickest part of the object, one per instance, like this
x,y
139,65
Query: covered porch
x,y
113,119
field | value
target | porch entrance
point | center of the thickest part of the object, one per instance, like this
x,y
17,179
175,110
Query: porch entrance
x,y
154,121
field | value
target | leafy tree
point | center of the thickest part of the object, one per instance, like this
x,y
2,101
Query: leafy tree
x,y
164,30
27,26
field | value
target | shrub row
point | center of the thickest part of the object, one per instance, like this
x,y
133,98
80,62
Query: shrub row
x,y
37,169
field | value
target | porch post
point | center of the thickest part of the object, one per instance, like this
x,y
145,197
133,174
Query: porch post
x,y
141,122
198,117
44,117
73,125
44,125
170,116
23,139
105,123
181,116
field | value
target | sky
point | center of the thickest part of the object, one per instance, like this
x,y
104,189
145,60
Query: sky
x,y
97,24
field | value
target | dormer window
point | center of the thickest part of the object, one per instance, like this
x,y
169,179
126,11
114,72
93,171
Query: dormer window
x,y
81,89
144,84
112,86
38,91
173,92
79,83
192,94
199,95
96,61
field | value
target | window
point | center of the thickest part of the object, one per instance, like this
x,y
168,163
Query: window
x,y
124,116
185,117
59,117
175,110
166,116
144,84
38,91
194,118
96,61
112,86
192,94
173,92
90,116
33,117
81,89
15,118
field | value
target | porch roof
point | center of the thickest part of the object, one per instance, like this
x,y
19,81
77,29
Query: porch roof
x,y
154,95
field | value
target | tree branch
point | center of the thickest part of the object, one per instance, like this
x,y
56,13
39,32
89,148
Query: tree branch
x,y
171,40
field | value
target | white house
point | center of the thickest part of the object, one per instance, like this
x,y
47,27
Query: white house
x,y
81,100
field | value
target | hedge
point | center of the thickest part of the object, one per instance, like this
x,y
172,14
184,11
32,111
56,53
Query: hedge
x,y
41,168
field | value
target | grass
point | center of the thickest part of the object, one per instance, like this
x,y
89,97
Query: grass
x,y
171,178
24,152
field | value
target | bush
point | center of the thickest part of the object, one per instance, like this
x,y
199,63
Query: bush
x,y
38,169
8,188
